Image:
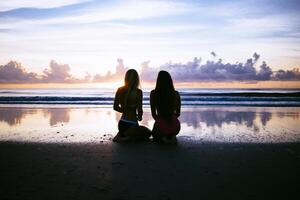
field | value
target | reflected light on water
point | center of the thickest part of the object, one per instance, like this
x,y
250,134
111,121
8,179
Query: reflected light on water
x,y
213,124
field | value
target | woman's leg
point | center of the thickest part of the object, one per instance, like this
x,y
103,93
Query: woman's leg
x,y
175,130
123,126
166,131
121,135
156,132
138,133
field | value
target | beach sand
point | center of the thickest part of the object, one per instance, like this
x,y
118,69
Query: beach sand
x,y
222,153
149,171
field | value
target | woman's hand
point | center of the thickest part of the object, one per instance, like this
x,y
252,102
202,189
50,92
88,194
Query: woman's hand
x,y
117,101
139,117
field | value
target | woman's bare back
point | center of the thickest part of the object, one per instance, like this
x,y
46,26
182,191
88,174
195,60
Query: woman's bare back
x,y
129,104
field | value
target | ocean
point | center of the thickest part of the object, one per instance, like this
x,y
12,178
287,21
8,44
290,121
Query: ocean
x,y
207,115
189,97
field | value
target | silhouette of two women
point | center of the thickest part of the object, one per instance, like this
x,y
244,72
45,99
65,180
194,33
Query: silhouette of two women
x,y
165,109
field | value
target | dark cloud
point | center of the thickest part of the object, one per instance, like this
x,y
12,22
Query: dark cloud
x,y
13,72
288,74
264,73
219,71
256,57
57,73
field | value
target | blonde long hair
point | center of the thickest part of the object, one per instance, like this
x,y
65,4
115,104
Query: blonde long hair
x,y
131,82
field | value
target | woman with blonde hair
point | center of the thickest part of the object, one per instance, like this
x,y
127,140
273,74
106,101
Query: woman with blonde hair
x,y
129,102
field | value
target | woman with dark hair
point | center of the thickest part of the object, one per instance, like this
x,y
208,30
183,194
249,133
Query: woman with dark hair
x,y
165,109
129,102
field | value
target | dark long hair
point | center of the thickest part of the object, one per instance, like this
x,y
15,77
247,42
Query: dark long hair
x,y
131,82
165,95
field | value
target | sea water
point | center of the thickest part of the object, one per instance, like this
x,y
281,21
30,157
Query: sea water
x,y
189,96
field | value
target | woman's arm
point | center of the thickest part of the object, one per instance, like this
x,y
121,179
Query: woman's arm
x,y
153,105
140,105
177,104
117,102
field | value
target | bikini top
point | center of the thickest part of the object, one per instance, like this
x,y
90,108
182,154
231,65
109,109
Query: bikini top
x,y
132,106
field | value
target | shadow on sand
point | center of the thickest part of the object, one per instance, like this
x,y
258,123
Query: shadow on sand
x,y
149,171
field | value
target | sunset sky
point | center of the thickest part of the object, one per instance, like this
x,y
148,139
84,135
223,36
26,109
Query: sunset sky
x,y
89,35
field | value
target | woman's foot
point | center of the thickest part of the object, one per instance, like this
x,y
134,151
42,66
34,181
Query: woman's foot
x,y
167,140
157,139
116,138
120,138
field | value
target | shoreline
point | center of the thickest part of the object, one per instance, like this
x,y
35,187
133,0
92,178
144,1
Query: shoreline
x,y
205,124
147,106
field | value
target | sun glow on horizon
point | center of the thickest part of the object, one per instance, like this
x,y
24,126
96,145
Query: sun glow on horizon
x,y
149,85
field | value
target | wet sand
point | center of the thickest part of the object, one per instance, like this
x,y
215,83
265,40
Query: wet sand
x,y
149,171
61,124
222,153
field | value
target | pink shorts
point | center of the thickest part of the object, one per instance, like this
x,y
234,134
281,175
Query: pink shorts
x,y
168,128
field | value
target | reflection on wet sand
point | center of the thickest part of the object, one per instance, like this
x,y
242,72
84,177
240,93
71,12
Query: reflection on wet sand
x,y
208,123
13,116
58,116
218,118
211,117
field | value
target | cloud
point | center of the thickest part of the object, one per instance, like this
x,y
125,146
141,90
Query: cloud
x,y
15,4
192,71
256,57
147,72
213,54
96,12
265,72
13,72
136,28
288,74
109,76
58,73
